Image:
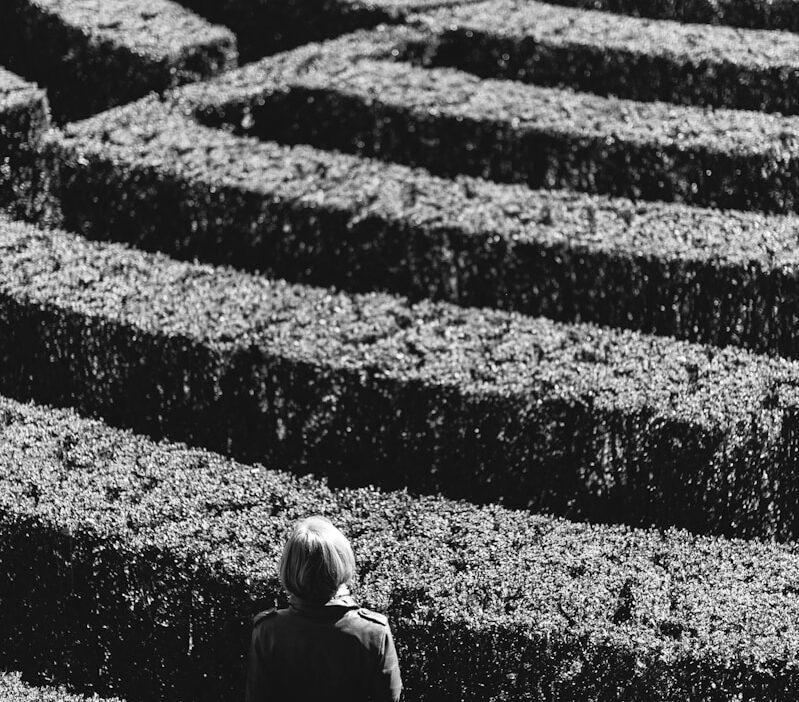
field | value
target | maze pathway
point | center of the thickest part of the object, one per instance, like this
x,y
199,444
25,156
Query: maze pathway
x,y
170,546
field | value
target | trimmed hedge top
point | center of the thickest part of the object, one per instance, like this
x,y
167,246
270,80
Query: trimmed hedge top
x,y
15,91
328,218
267,27
368,66
13,689
591,609
477,351
25,177
93,54
521,107
355,94
156,28
82,475
540,22
758,14
628,57
151,135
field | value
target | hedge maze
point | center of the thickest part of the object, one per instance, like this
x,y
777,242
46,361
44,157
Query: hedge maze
x,y
780,15
508,290
605,53
170,546
13,689
93,54
25,187
268,27
150,176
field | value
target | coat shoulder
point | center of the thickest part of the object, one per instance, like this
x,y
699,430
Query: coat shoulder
x,y
371,616
262,616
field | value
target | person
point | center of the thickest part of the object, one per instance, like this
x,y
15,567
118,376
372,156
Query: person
x,y
324,646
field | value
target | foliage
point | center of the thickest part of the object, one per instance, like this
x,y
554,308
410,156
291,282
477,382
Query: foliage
x,y
156,555
611,54
93,54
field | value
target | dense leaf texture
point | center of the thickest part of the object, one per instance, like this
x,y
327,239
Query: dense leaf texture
x,y
156,555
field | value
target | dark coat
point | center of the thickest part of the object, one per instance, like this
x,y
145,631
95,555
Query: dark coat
x,y
336,651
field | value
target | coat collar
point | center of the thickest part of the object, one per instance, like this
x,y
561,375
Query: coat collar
x,y
342,600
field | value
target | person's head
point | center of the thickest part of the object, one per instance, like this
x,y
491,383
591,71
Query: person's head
x,y
317,560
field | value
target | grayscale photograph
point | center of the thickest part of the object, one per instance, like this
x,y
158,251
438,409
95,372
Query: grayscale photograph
x,y
399,351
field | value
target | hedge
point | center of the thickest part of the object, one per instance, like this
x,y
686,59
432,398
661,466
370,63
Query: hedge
x,y
757,14
358,95
146,175
14,689
484,405
268,27
93,54
486,603
612,54
25,187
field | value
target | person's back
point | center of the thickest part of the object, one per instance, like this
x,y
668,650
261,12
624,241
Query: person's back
x,y
324,646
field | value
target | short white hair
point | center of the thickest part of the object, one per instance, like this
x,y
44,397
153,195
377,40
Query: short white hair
x,y
317,560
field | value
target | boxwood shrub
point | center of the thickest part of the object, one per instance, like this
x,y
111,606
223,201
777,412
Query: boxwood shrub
x,y
267,27
612,54
92,54
133,568
368,94
25,183
758,14
485,405
148,175
14,689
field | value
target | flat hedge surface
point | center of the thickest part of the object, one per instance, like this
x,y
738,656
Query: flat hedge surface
x,y
356,95
267,27
611,54
25,186
484,405
148,175
486,603
93,54
13,689
758,14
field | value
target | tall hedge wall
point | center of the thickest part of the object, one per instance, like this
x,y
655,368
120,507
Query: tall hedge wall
x,y
25,179
366,94
484,405
267,27
93,54
758,14
628,57
14,689
486,603
148,175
